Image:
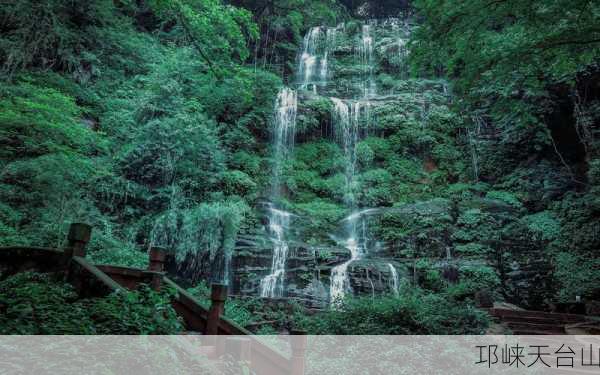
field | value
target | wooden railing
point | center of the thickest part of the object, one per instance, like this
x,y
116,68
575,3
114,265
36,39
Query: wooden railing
x,y
98,280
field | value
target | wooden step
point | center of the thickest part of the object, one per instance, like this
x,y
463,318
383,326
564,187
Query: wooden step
x,y
533,332
550,329
526,314
529,319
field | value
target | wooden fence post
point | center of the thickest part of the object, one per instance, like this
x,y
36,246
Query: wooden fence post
x,y
78,237
299,341
218,296
157,265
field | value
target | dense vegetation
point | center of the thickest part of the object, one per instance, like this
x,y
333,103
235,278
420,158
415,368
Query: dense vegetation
x,y
41,304
150,121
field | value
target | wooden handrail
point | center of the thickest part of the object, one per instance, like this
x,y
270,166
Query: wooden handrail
x,y
98,274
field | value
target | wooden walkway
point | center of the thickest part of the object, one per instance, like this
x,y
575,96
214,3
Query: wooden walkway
x,y
92,280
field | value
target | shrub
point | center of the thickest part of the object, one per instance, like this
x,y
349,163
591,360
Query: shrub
x,y
576,275
413,312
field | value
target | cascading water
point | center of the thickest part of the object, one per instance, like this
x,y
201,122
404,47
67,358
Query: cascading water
x,y
365,51
401,29
313,66
351,119
308,58
329,41
394,278
286,107
272,284
346,125
346,130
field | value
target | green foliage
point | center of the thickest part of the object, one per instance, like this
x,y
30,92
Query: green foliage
x,y
481,44
577,276
504,196
40,304
323,214
472,248
543,225
207,228
47,158
219,32
413,312
53,34
514,66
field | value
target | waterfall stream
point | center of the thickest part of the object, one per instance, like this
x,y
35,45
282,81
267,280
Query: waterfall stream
x,y
346,129
349,126
394,280
313,64
286,107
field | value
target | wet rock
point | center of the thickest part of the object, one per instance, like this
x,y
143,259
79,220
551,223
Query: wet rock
x,y
374,276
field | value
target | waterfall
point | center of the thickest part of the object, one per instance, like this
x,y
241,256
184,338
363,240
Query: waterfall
x,y
272,284
346,121
286,106
351,119
474,158
308,58
402,30
472,135
365,51
346,130
339,278
313,65
394,279
348,125
329,42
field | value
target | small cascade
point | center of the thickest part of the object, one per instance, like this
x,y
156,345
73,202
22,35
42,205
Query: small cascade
x,y
346,130
371,283
394,280
329,42
401,29
286,107
339,274
402,56
448,253
272,284
365,52
472,135
308,58
313,66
